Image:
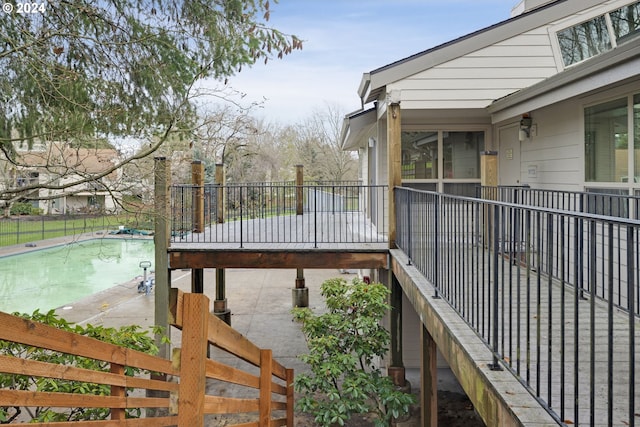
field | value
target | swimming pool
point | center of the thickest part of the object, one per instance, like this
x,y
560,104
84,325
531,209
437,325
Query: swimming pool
x,y
53,277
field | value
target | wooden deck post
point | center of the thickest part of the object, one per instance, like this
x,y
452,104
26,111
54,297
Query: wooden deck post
x,y
162,170
197,180
193,361
428,379
299,189
396,369
394,154
220,181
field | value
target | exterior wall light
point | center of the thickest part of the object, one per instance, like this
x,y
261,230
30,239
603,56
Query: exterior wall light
x,y
525,128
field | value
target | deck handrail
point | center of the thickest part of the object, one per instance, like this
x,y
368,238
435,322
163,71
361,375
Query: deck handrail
x,y
185,401
494,260
248,213
595,200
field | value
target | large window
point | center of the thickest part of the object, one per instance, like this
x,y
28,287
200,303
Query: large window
x,y
442,154
600,34
606,142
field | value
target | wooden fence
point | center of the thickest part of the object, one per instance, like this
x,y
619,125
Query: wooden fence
x,y
185,401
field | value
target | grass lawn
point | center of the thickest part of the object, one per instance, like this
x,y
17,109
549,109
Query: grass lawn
x,y
30,229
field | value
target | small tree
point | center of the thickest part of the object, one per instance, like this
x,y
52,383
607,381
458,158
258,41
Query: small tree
x,y
344,344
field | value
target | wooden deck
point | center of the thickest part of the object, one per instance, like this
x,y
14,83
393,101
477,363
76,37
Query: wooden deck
x,y
323,240
544,335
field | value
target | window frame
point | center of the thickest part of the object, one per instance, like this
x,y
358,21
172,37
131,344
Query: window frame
x,y
440,129
575,20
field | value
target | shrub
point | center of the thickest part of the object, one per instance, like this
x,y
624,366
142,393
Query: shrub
x,y
23,208
344,344
127,336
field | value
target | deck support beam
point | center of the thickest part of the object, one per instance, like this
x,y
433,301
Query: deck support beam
x,y
428,379
220,308
197,280
260,258
396,369
300,294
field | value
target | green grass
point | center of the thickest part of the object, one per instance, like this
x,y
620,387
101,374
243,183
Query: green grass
x,y
25,230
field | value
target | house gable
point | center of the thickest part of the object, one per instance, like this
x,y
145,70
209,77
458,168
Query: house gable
x,y
474,70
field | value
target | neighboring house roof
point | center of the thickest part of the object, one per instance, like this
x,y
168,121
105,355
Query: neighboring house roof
x,y
63,160
373,84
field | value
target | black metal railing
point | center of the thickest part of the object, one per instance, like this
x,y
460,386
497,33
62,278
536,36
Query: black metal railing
x,y
280,213
600,201
554,294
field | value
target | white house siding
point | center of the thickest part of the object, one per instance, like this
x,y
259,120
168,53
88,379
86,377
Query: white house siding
x,y
477,79
554,157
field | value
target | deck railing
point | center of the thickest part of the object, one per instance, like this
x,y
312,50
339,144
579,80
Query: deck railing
x,y
595,200
553,293
279,213
185,402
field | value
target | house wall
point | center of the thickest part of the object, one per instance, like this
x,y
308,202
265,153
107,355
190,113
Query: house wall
x,y
477,79
553,157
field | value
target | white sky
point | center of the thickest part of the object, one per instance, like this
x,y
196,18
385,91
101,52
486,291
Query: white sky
x,y
344,39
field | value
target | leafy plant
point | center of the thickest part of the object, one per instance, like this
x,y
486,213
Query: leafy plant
x,y
127,336
344,344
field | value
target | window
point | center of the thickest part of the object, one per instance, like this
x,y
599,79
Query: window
x,y
593,37
584,40
419,155
606,142
626,22
459,152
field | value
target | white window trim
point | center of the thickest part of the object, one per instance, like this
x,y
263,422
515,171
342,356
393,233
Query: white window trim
x,y
580,18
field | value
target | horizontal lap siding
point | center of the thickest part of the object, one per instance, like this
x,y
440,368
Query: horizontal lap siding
x,y
477,79
556,151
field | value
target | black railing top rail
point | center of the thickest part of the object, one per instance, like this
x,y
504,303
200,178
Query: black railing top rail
x,y
593,200
280,183
533,208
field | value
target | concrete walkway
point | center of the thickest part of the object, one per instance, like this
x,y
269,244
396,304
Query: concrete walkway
x,y
260,302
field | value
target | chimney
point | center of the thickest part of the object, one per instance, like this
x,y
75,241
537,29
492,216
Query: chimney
x,y
524,6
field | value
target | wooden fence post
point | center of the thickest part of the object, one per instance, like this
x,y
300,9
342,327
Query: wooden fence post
x,y
266,360
118,391
193,361
290,395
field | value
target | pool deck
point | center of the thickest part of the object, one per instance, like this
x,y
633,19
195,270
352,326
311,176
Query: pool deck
x,y
260,301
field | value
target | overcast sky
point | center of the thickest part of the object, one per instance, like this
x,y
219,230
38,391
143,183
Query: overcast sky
x,y
344,39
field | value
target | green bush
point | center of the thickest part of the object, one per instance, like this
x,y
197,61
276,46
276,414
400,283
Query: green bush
x,y
127,336
344,344
23,208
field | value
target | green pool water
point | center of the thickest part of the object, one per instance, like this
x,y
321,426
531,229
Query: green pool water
x,y
54,277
